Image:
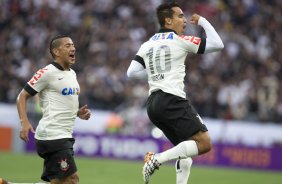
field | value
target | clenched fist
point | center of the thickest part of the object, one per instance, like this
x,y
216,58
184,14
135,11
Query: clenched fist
x,y
194,19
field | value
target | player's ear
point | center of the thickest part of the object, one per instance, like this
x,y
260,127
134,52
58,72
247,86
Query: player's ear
x,y
168,21
56,51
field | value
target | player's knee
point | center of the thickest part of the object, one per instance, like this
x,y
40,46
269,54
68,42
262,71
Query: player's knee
x,y
208,146
205,144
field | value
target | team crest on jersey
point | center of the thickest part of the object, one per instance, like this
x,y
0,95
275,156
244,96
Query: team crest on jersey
x,y
64,164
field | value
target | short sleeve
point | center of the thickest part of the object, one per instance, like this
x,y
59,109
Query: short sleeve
x,y
194,44
39,81
140,60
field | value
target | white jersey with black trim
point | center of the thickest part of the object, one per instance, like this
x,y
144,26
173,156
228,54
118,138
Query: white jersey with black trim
x,y
58,92
164,56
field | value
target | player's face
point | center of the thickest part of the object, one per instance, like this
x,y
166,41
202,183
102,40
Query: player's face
x,y
179,21
67,51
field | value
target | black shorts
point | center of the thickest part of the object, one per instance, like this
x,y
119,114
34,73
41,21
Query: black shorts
x,y
175,116
58,158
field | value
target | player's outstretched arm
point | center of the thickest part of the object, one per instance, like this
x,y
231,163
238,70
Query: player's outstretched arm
x,y
213,40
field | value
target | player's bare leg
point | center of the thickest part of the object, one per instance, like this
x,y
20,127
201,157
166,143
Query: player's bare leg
x,y
203,142
73,179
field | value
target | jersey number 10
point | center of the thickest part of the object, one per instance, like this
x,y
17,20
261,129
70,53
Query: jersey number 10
x,y
163,55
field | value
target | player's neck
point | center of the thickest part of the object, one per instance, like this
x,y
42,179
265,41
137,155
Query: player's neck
x,y
64,66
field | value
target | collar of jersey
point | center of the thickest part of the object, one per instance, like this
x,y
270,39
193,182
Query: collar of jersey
x,y
57,65
164,30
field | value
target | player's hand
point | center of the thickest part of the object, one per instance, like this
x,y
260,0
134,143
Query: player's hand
x,y
26,127
194,19
84,113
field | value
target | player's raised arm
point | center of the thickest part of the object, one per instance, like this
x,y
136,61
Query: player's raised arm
x,y
213,41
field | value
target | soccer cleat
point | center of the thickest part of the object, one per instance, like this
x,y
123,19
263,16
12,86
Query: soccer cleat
x,y
151,164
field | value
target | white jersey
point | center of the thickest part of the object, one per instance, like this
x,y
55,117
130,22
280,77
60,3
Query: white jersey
x,y
164,57
58,92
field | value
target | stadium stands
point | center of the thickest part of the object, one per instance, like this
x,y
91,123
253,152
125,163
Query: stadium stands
x,y
243,82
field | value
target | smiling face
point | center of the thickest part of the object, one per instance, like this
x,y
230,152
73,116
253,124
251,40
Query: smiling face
x,y
65,52
177,22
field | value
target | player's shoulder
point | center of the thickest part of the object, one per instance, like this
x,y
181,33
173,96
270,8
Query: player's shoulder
x,y
144,46
50,67
41,74
72,71
47,70
44,70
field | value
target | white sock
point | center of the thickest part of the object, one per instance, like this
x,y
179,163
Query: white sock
x,y
182,167
184,149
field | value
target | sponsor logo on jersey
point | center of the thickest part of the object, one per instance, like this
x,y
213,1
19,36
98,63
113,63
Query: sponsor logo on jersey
x,y
163,36
193,39
70,91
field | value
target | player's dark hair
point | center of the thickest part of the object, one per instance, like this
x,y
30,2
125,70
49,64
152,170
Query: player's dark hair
x,y
55,43
165,11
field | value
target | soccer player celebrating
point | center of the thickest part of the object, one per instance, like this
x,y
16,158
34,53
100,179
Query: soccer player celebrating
x,y
162,60
58,91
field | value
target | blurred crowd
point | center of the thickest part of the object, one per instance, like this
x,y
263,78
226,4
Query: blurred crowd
x,y
242,82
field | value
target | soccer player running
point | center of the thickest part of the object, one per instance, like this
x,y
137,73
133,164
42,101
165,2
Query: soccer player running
x,y
162,60
58,91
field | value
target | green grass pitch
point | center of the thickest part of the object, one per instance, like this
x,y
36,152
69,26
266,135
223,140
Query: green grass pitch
x,y
27,168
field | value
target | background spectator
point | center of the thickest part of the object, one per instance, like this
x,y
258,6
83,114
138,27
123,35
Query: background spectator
x,y
241,82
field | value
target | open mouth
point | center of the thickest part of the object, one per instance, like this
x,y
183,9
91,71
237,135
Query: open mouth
x,y
72,56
